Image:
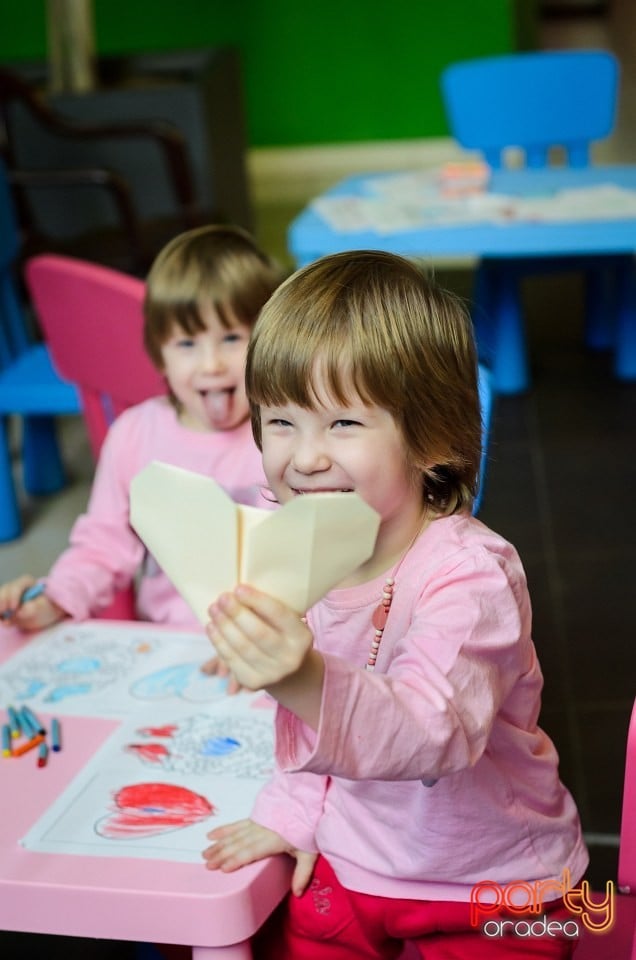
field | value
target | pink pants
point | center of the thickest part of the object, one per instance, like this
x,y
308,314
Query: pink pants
x,y
331,923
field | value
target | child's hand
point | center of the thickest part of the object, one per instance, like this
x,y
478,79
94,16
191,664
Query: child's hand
x,y
245,841
216,668
257,638
31,615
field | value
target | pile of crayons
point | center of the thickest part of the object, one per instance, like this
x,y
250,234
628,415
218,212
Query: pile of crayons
x,y
24,726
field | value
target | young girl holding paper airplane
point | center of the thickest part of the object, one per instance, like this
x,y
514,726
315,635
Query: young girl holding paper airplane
x,y
410,766
204,292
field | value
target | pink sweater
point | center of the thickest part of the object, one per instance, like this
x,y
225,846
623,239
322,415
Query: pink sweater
x,y
104,553
453,702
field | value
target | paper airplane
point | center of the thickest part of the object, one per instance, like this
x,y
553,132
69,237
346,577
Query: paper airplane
x,y
206,543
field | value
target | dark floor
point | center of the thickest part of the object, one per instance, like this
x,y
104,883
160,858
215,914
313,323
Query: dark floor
x,y
560,473
561,469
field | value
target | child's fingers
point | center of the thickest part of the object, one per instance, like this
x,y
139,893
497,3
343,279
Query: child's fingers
x,y
214,668
240,843
257,651
233,686
10,595
266,608
302,871
37,614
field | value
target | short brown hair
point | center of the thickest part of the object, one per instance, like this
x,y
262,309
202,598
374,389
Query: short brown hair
x,y
218,265
381,326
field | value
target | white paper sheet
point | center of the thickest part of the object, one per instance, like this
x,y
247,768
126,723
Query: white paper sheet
x,y
161,782
185,758
415,200
103,668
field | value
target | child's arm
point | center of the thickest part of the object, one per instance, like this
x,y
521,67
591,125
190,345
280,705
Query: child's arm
x,y
17,610
245,841
104,553
266,645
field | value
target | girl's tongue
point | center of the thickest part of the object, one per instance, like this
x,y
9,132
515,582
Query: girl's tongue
x,y
218,406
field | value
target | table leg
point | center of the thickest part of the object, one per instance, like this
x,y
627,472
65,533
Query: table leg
x,y
600,305
625,359
510,360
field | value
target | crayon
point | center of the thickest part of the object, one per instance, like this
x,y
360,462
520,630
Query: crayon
x,y
43,752
56,739
32,720
35,590
28,727
29,745
14,722
6,740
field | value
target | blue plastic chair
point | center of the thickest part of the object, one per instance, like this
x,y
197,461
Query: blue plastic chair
x,y
486,401
29,388
533,102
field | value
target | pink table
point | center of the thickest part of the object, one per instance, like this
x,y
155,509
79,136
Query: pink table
x,y
110,897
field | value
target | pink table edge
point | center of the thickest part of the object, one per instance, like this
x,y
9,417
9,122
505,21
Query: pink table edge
x,y
111,897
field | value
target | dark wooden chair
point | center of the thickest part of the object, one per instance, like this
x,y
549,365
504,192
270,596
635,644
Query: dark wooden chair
x,y
33,137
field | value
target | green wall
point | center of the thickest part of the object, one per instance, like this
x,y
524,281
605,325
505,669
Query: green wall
x,y
314,72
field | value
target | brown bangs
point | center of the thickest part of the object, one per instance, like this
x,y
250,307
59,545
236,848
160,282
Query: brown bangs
x,y
381,331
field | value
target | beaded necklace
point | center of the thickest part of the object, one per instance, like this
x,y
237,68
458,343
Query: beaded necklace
x,y
381,612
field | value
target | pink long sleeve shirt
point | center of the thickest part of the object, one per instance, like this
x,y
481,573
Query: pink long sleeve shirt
x,y
105,554
453,701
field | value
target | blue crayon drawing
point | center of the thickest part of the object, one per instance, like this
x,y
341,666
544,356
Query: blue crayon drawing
x,y
72,663
63,691
80,665
202,744
184,680
219,746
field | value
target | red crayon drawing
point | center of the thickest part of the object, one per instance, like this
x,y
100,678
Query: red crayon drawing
x,y
147,809
167,730
151,752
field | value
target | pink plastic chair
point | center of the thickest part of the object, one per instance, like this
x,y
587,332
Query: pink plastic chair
x,y
620,942
92,319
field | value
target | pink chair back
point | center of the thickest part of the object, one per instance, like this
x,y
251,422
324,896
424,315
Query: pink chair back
x,y
92,320
620,942
627,850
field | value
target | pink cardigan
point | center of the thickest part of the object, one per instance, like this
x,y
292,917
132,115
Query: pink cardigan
x,y
453,702
105,553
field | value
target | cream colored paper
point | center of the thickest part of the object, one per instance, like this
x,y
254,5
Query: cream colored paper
x,y
206,543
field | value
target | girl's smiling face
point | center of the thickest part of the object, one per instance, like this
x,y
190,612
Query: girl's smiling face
x,y
353,446
206,372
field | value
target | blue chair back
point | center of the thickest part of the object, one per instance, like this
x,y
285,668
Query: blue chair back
x,y
30,388
486,391
533,101
13,335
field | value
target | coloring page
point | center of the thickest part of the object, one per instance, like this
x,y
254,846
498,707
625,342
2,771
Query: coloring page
x,y
162,781
109,669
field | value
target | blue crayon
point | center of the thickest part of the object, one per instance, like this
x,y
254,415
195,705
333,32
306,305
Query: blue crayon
x,y
30,718
56,742
31,593
28,728
6,740
35,590
14,722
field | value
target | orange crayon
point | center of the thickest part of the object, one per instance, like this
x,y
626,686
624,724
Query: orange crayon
x,y
29,745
